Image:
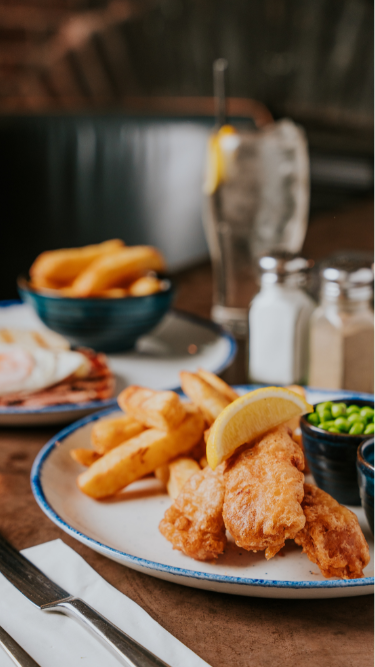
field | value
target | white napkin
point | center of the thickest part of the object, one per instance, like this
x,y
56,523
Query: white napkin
x,y
56,640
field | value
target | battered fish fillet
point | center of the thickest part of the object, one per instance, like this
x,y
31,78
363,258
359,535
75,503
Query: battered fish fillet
x,y
194,523
332,537
263,493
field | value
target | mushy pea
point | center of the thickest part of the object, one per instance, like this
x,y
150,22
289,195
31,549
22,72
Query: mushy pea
x,y
342,418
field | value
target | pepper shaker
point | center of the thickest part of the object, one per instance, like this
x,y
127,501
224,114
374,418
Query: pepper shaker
x,y
342,331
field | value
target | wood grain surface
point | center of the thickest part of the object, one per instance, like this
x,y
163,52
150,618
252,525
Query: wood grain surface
x,y
222,629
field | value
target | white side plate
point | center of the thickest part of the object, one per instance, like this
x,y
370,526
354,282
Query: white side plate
x,y
125,529
179,342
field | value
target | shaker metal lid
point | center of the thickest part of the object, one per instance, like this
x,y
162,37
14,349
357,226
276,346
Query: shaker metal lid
x,y
363,276
284,263
354,285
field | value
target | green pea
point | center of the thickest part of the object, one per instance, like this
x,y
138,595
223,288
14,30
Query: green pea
x,y
338,409
313,419
333,430
327,425
355,417
352,409
356,428
367,413
325,415
342,424
369,430
323,406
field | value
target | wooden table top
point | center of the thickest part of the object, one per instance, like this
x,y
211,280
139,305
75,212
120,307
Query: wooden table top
x,y
224,630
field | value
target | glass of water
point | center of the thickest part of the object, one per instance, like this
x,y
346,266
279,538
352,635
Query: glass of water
x,y
256,201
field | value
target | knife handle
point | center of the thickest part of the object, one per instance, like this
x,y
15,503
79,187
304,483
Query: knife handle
x,y
123,646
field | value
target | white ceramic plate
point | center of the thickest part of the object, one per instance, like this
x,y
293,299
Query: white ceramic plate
x,y
179,342
126,530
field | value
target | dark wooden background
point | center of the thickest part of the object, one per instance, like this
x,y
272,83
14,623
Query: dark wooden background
x,y
311,60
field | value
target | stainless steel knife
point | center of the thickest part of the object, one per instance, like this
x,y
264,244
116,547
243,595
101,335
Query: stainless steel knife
x,y
48,596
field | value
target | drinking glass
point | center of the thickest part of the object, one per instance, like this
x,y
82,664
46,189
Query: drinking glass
x,y
256,201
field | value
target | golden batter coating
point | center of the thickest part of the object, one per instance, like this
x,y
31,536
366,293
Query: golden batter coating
x,y
263,493
332,537
194,523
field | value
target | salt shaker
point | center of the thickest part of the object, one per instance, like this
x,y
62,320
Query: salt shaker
x,y
342,331
279,318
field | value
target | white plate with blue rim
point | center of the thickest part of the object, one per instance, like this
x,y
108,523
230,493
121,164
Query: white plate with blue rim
x,y
180,342
125,529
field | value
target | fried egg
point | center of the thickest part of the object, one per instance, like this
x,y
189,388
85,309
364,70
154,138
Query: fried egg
x,y
29,370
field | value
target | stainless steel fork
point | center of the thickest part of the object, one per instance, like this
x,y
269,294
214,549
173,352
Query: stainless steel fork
x,y
15,651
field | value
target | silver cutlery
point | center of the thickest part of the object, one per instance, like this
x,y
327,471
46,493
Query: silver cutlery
x,y
48,596
15,651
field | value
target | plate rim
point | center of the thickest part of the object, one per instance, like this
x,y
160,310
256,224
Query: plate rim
x,y
38,492
97,405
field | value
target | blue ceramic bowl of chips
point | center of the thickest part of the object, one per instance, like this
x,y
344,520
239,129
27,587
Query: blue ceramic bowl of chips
x,y
365,471
332,457
106,325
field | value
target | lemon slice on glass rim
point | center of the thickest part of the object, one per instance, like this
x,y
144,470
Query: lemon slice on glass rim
x,y
250,416
216,159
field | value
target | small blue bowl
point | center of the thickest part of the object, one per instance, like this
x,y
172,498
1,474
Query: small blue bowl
x,y
105,325
332,457
365,470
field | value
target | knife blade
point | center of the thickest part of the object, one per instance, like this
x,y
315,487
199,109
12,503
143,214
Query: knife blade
x,y
49,596
27,578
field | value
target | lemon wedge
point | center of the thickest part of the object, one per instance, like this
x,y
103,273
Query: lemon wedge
x,y
215,168
250,416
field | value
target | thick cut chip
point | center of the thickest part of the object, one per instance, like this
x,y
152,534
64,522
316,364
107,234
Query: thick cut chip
x,y
156,409
119,269
249,417
218,384
198,451
162,473
114,293
56,268
139,457
210,401
180,471
297,389
86,457
41,283
109,433
145,285
332,537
